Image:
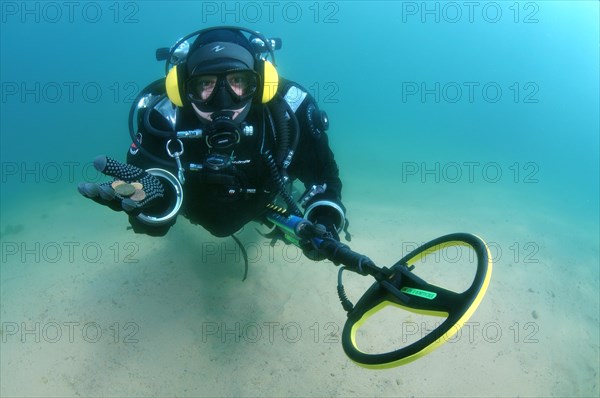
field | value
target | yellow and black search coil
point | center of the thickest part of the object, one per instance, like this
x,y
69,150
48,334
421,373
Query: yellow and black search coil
x,y
397,286
402,288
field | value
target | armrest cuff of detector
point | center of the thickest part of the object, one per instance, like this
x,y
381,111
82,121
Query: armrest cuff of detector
x,y
172,184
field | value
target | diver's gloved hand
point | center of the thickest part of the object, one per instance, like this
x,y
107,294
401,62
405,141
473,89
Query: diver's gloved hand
x,y
324,228
132,189
327,217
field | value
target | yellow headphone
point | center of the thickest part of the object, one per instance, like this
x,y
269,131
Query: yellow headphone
x,y
269,78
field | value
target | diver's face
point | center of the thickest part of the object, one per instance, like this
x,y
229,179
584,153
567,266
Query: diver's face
x,y
217,92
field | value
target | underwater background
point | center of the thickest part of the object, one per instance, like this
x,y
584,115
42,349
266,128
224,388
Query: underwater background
x,y
478,117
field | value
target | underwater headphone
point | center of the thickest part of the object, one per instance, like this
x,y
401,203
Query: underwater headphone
x,y
177,74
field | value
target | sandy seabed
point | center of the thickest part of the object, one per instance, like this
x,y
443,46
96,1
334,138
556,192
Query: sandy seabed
x,y
88,308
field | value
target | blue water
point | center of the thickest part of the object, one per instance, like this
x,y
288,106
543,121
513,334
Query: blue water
x,y
414,89
456,115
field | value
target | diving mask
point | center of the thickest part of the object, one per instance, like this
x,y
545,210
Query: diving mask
x,y
218,91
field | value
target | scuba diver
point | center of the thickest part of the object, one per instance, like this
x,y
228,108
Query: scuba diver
x,y
235,135
220,141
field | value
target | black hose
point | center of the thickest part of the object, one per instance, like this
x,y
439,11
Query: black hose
x,y
151,88
290,150
244,254
347,304
153,130
282,129
276,177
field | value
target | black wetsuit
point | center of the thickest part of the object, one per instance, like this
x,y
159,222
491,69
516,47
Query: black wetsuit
x,y
208,200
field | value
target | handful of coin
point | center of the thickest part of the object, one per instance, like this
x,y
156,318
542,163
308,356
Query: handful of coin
x,y
133,191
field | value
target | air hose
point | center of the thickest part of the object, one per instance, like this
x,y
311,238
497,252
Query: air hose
x,y
280,185
286,140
